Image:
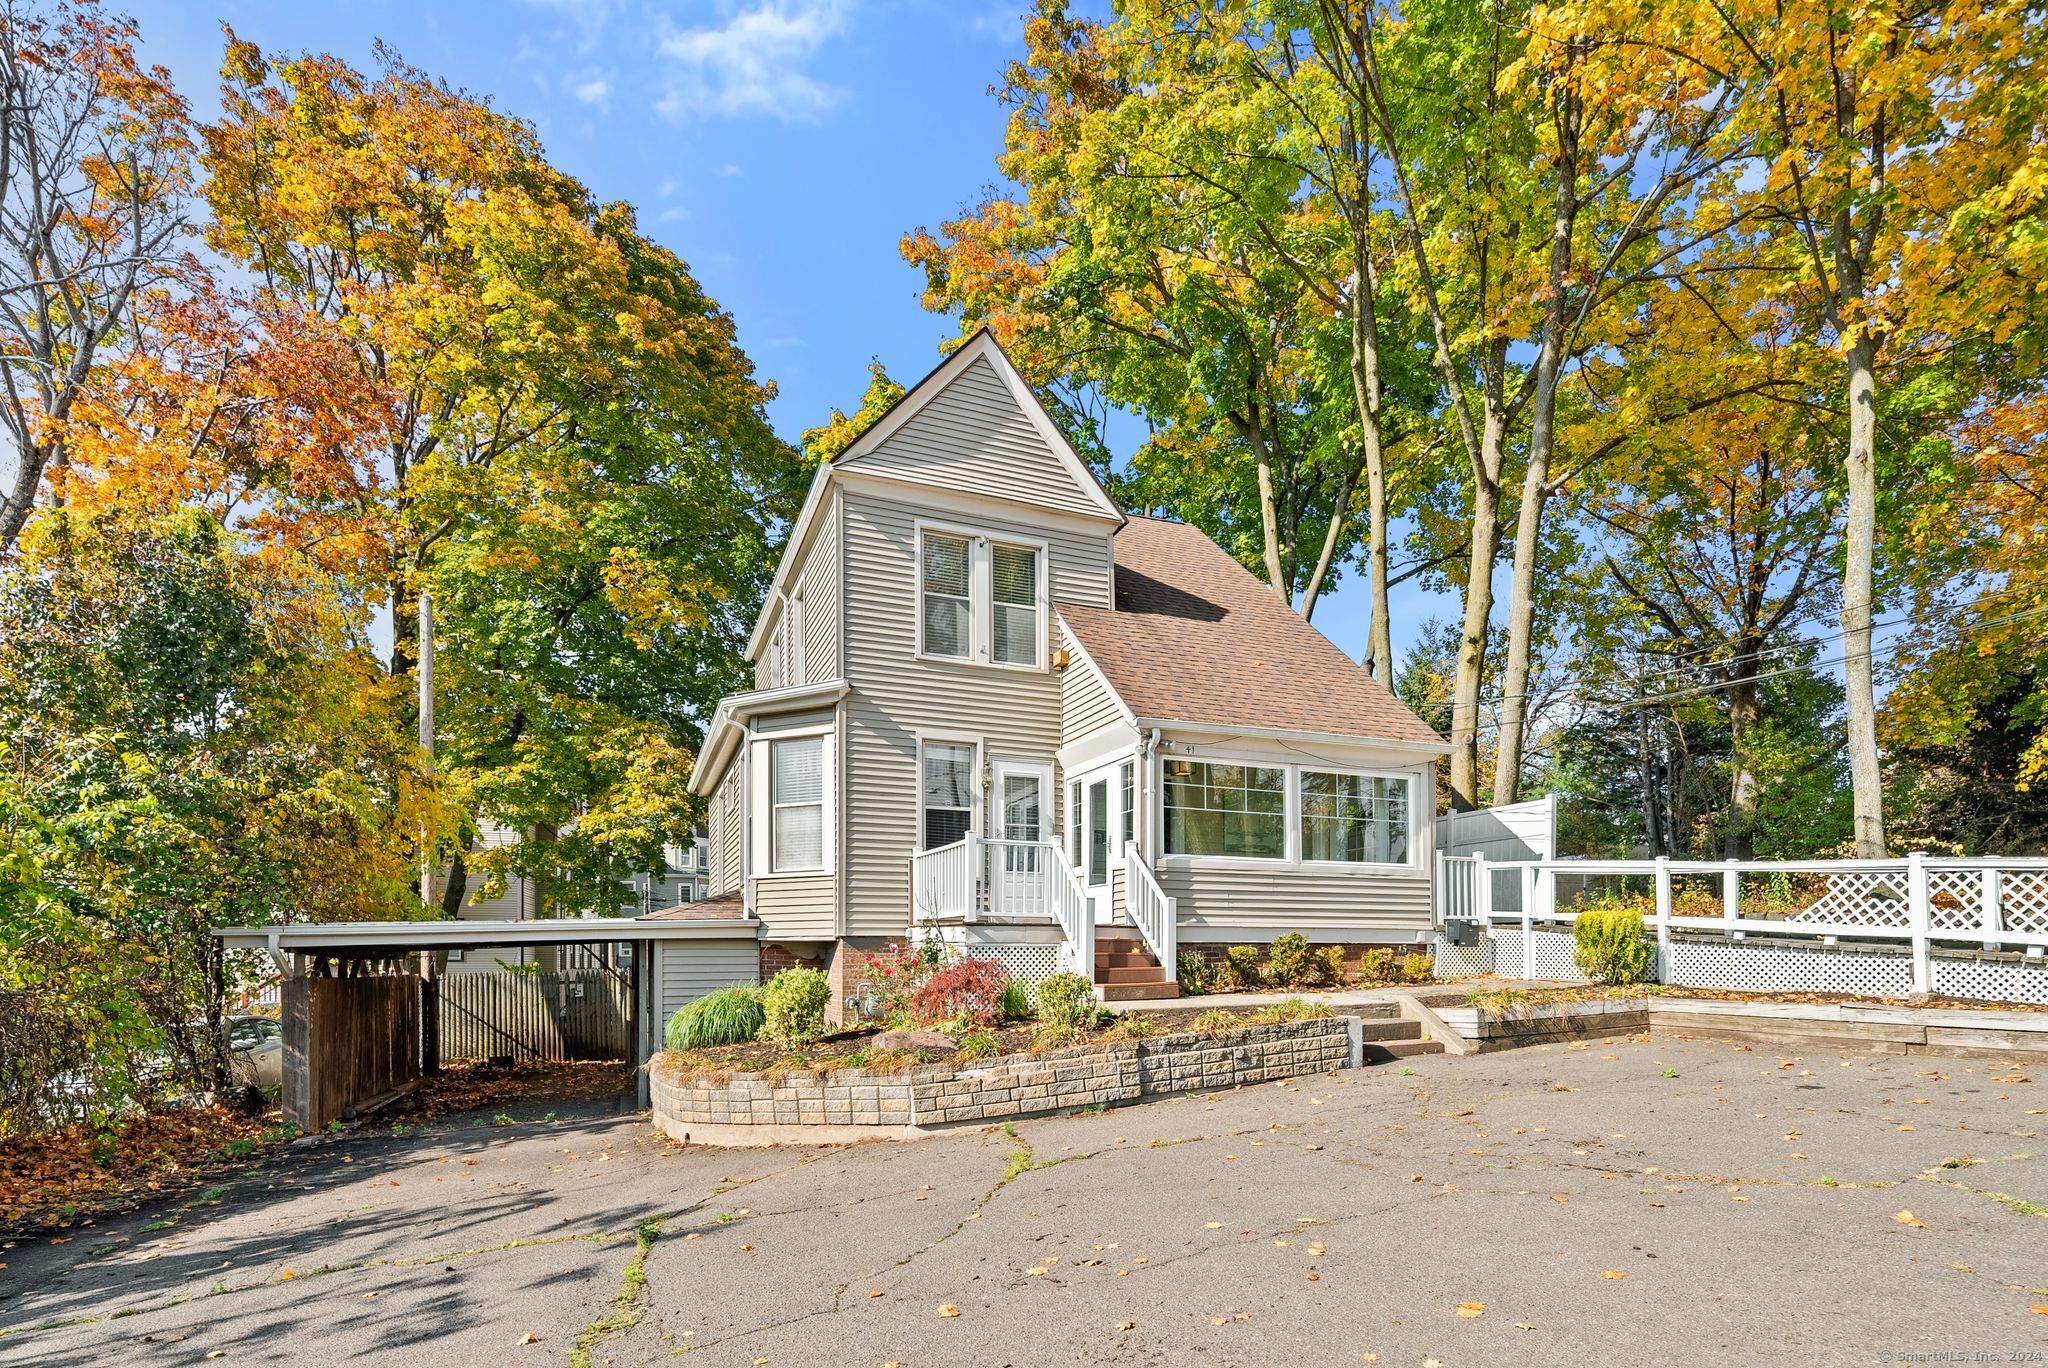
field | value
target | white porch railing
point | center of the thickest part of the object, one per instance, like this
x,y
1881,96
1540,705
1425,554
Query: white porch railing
x,y
1072,910
943,885
1150,910
1911,925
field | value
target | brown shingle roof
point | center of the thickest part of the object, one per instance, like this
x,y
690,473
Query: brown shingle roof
x,y
717,907
1196,638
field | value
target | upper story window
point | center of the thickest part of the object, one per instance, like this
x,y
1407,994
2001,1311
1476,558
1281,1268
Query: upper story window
x,y
980,599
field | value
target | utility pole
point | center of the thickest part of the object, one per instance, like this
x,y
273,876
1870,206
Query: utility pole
x,y
426,673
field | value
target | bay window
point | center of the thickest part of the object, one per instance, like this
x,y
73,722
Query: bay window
x,y
1354,818
796,803
1225,808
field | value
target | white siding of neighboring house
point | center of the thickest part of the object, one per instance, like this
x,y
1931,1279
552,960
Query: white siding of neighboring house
x,y
973,437
894,694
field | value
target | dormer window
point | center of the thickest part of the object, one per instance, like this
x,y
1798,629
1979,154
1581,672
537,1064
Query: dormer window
x,y
981,599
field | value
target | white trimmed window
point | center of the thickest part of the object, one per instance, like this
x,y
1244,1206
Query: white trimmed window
x,y
1354,818
1018,625
981,599
796,803
948,598
1127,785
947,771
1225,808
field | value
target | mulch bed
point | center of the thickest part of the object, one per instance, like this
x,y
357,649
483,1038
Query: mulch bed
x,y
841,1049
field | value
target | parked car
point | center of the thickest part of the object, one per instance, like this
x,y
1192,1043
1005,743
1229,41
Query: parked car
x,y
257,1045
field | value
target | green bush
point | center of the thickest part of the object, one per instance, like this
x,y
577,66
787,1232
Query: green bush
x,y
1377,965
1330,967
1066,1003
1194,974
793,1006
1241,967
1608,942
1216,1020
1289,960
730,1016
1418,968
1015,1002
979,1045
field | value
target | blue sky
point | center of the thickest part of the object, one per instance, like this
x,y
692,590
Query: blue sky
x,y
782,147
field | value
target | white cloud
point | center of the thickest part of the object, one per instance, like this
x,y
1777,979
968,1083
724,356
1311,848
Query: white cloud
x,y
731,169
754,62
593,91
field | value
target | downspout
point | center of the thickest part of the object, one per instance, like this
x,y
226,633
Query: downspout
x,y
747,819
1146,787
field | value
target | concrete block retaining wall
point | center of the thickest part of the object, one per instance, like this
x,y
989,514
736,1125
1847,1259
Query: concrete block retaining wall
x,y
755,1108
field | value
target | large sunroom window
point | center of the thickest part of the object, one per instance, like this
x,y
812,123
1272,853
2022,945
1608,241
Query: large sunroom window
x,y
1354,818
1215,808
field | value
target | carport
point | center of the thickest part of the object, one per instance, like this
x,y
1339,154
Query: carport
x,y
361,1000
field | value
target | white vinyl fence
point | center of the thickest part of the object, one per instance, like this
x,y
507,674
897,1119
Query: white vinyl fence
x,y
1974,929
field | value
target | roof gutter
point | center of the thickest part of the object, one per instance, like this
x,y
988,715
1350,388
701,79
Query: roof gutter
x,y
1221,729
729,723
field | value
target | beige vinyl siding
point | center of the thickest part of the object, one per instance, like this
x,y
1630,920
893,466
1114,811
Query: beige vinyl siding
x,y
1015,713
1086,703
793,721
1262,901
973,437
685,970
817,583
795,906
725,831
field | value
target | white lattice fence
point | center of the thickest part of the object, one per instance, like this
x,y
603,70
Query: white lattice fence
x,y
1873,898
2024,896
1757,967
1550,957
2002,979
1024,963
1463,961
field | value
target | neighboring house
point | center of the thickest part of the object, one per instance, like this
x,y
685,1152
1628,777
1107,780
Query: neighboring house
x,y
992,708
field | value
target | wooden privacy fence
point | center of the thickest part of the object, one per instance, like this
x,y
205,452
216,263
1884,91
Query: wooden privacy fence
x,y
576,1014
348,1041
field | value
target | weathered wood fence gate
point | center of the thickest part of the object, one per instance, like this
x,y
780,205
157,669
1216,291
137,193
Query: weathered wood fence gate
x,y
574,1014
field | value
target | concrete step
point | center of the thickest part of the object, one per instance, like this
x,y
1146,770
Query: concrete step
x,y
1381,1051
1123,959
1140,992
1384,1028
1132,973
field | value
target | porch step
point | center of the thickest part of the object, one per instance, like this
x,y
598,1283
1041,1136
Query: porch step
x,y
1153,990
1384,1028
1380,1051
1129,973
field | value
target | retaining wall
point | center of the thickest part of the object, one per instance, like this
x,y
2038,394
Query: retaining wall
x,y
760,1108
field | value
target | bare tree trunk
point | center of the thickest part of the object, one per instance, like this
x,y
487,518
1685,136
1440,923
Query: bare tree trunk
x,y
1379,648
1514,703
1471,667
1737,840
1859,538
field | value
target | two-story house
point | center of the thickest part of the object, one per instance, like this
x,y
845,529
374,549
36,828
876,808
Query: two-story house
x,y
993,708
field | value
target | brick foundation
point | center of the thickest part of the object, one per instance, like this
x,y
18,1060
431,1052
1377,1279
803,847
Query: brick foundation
x,y
1013,1085
848,970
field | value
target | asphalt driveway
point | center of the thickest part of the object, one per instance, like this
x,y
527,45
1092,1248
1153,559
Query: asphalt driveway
x,y
1635,1201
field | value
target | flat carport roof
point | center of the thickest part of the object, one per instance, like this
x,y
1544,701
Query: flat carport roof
x,y
378,939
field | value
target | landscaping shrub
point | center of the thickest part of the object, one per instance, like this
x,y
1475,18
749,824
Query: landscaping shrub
x,y
1377,965
1289,960
793,1006
1418,968
1241,967
1015,1004
1608,942
1330,966
1290,1009
1194,973
892,977
1131,1026
1066,1002
1216,1020
730,1016
979,1045
969,990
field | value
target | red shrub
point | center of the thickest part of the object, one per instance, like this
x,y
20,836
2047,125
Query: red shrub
x,y
970,988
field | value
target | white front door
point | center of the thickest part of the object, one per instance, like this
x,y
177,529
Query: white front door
x,y
1098,855
1020,800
